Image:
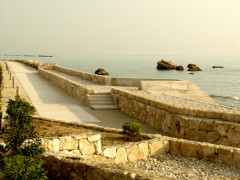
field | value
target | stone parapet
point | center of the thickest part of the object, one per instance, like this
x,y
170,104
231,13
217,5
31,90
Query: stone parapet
x,y
84,75
169,119
207,151
132,152
228,114
37,64
83,144
78,91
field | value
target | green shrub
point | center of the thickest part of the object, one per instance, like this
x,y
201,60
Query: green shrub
x,y
21,158
133,130
24,167
19,117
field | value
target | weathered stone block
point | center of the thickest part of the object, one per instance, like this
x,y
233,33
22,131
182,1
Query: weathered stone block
x,y
121,155
223,141
225,153
233,136
209,152
76,152
85,147
221,130
207,125
94,137
133,153
164,126
52,145
156,148
67,143
188,149
237,117
228,116
212,136
193,124
236,155
237,128
110,152
143,150
80,136
98,147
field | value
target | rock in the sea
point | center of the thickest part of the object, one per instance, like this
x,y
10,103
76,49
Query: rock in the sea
x,y
217,67
164,64
101,71
179,68
193,67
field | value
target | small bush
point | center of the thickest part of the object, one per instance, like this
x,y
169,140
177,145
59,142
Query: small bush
x,y
133,130
21,158
24,167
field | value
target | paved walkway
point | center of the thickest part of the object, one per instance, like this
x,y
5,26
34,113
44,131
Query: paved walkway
x,y
52,102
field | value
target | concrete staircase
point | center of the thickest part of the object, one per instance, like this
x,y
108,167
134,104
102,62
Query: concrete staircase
x,y
101,101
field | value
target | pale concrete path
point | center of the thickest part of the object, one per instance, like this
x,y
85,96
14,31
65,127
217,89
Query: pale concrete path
x,y
49,100
52,102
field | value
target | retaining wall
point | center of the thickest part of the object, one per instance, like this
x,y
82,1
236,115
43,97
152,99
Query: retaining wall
x,y
84,75
76,90
166,118
83,144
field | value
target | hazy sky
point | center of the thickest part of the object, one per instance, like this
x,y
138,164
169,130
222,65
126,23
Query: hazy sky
x,y
139,27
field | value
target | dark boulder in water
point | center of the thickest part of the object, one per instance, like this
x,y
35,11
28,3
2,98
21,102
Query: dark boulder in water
x,y
101,71
164,64
217,67
193,67
179,68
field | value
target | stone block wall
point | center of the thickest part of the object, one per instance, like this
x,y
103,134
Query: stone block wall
x,y
167,118
132,152
37,64
207,151
78,91
176,109
84,75
84,144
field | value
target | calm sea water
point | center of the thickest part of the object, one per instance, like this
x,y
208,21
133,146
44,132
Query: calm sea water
x,y
222,84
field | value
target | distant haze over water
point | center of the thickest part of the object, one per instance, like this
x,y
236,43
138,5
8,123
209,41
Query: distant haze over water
x,y
222,84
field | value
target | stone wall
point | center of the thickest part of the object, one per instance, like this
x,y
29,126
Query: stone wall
x,y
207,151
76,90
83,144
167,118
68,168
84,75
104,165
37,64
135,151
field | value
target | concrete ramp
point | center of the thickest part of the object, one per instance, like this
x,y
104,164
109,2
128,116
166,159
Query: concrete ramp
x,y
179,88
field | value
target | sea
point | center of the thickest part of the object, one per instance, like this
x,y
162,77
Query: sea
x,y
221,84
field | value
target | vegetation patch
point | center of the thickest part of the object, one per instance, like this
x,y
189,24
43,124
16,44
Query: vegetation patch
x,y
21,157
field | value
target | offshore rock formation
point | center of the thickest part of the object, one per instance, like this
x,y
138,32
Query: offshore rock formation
x,y
179,68
164,64
101,71
217,67
193,67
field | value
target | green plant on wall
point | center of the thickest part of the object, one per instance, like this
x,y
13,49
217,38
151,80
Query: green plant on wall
x,y
133,130
21,158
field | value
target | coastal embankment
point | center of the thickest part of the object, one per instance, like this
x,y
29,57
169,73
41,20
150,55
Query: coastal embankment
x,y
203,129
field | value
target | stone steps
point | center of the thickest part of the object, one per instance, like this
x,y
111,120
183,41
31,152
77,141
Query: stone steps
x,y
101,101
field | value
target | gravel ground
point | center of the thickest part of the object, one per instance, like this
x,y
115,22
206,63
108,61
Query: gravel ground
x,y
98,88
187,103
178,167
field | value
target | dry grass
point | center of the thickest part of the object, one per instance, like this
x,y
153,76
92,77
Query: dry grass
x,y
55,129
